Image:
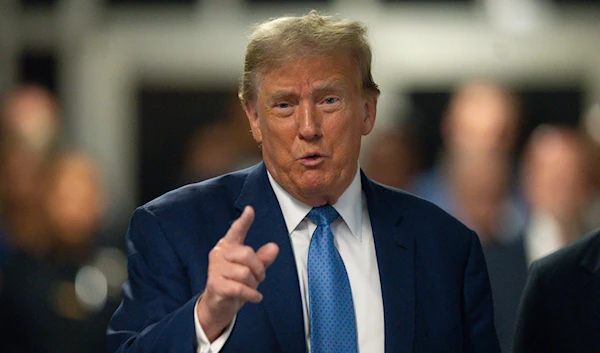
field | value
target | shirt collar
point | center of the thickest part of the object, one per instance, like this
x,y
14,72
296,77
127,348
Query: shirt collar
x,y
349,206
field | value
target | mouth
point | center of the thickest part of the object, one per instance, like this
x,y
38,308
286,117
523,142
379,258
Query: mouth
x,y
311,159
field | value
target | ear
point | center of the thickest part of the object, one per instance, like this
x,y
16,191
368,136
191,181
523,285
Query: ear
x,y
252,115
370,112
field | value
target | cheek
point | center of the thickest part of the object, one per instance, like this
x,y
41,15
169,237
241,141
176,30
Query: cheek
x,y
278,140
349,134
347,148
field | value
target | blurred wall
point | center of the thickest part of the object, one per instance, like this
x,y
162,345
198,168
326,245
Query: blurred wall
x,y
105,52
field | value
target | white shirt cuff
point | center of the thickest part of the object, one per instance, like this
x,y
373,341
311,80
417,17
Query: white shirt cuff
x,y
204,345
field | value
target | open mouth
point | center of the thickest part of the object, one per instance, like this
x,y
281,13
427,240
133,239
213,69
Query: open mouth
x,y
312,159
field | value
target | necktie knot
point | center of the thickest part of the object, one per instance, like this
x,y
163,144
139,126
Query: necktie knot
x,y
323,215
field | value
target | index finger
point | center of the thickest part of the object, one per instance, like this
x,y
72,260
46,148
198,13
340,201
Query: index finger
x,y
239,228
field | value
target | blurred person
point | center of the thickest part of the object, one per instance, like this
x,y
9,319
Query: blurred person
x,y
560,311
393,158
31,113
556,180
591,218
29,131
473,180
479,131
210,152
484,202
383,271
20,179
220,147
62,301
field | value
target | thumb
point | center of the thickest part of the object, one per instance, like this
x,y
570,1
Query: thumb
x,y
268,253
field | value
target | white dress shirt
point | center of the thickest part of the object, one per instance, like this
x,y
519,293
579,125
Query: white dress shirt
x,y
353,237
542,236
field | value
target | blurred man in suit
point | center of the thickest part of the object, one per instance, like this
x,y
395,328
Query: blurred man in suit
x,y
560,308
557,184
352,265
473,181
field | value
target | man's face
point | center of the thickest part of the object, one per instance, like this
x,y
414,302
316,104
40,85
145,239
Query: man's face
x,y
309,115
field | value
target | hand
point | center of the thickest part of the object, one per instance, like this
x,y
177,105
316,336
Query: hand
x,y
234,273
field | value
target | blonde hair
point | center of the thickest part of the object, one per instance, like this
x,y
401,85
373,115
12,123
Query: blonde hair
x,y
287,38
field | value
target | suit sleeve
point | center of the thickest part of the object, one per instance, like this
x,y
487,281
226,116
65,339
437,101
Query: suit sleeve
x,y
478,323
529,335
157,312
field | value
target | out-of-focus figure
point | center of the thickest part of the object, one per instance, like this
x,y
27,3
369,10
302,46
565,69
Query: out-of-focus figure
x,y
557,186
210,152
479,133
29,131
473,180
62,301
559,311
31,113
220,147
73,204
393,159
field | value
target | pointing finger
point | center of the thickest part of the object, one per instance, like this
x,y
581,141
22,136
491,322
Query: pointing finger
x,y
239,228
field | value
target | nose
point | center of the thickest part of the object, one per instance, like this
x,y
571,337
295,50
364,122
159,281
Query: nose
x,y
309,122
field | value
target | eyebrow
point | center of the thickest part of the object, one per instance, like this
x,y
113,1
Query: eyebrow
x,y
334,85
282,95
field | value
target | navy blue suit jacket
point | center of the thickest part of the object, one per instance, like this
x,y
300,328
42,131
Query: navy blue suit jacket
x,y
434,282
560,307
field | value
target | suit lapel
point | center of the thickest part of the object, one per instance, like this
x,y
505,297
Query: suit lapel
x,y
591,258
394,246
590,263
280,289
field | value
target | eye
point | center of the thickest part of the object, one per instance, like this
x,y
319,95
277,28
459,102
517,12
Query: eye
x,y
331,100
283,109
330,104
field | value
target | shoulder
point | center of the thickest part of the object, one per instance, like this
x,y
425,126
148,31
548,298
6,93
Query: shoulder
x,y
192,216
415,208
223,189
564,262
191,208
437,233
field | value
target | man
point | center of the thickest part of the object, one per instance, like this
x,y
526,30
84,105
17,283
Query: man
x,y
557,186
560,308
473,181
402,275
63,300
30,126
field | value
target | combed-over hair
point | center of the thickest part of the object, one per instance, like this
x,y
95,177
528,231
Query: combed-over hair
x,y
277,41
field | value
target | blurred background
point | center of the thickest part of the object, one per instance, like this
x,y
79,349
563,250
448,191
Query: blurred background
x,y
489,108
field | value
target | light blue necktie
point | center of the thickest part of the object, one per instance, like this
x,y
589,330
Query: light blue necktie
x,y
332,321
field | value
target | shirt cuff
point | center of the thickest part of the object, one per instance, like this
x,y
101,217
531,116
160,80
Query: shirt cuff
x,y
204,345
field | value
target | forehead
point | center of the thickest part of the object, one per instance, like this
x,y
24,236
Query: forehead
x,y
311,72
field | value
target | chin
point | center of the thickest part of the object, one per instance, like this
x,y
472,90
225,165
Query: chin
x,y
315,190
314,180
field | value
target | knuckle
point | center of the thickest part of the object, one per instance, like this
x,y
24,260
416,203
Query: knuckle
x,y
247,253
245,273
238,291
212,287
218,249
